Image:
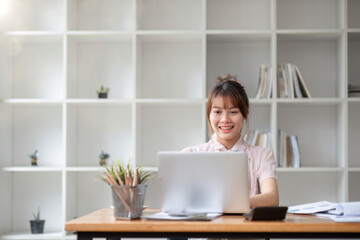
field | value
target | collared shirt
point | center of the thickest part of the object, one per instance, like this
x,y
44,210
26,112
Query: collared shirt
x,y
261,162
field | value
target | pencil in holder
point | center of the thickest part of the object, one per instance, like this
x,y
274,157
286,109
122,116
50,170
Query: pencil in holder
x,y
128,201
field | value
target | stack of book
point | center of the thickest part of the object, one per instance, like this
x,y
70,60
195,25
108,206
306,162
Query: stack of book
x,y
265,82
290,82
258,138
289,151
353,90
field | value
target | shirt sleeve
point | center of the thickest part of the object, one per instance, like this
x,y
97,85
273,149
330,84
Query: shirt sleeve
x,y
188,149
267,166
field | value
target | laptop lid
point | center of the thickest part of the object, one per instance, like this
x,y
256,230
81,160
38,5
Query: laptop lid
x,y
211,182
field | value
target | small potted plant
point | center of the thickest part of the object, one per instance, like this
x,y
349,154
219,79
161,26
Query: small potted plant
x,y
34,158
228,77
37,225
103,92
103,158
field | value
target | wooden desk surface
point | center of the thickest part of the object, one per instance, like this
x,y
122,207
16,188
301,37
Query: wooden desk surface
x,y
103,221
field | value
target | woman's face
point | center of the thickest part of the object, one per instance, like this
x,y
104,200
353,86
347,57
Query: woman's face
x,y
226,120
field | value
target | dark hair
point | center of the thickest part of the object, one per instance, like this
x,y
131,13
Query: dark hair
x,y
235,92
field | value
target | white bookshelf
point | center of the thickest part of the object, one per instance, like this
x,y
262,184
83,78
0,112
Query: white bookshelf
x,y
160,58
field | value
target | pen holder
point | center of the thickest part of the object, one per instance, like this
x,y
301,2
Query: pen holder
x,y
128,201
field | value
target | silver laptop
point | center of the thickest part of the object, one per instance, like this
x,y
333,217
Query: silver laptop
x,y
204,182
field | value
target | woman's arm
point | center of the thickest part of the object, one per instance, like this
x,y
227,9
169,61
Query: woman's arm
x,y
269,195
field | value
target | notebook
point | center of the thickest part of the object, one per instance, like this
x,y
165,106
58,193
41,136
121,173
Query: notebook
x,y
204,182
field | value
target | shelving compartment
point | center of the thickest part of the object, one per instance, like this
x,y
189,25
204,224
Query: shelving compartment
x,y
95,61
166,127
353,60
238,15
308,14
319,129
31,191
86,193
239,55
5,161
170,15
93,128
35,128
169,66
6,136
5,201
305,187
319,58
100,15
354,134
354,193
260,117
32,67
36,15
353,7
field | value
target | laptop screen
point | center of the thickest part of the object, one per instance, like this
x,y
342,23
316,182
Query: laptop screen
x,y
210,182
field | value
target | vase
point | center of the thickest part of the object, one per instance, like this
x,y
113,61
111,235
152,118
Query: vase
x,y
128,201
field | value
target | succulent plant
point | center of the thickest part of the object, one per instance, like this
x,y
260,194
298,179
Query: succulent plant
x,y
37,215
103,90
104,155
228,77
34,155
126,174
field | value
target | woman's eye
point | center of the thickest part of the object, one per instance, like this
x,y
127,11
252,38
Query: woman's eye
x,y
234,112
217,112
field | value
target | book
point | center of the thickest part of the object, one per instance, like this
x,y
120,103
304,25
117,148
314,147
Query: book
x,y
265,83
285,81
270,83
304,90
288,150
280,81
295,151
255,137
282,161
297,90
258,138
261,81
290,82
290,79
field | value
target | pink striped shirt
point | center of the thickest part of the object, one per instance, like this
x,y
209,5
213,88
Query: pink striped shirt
x,y
261,161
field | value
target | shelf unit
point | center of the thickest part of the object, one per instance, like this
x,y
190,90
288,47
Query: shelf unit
x,y
160,58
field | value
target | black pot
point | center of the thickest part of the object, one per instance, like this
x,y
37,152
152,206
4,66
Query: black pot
x,y
33,162
37,226
102,95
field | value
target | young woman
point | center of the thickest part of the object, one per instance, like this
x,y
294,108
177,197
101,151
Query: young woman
x,y
228,114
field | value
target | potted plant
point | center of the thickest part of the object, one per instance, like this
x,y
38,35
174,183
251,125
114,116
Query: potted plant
x,y
103,92
37,225
228,77
103,158
34,158
128,189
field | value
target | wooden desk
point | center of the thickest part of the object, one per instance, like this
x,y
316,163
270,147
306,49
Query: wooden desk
x,y
102,223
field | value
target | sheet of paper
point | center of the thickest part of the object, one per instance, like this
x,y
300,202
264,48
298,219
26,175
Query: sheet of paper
x,y
165,216
349,208
311,208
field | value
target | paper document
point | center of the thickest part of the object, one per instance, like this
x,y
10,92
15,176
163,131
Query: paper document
x,y
193,217
339,212
311,208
